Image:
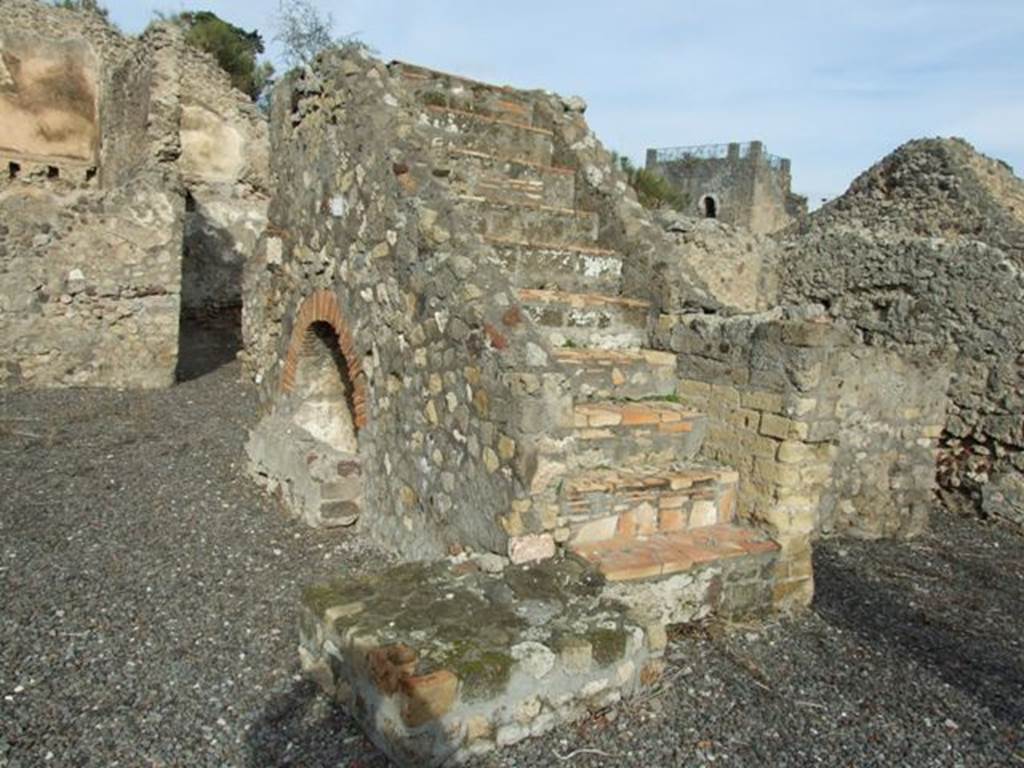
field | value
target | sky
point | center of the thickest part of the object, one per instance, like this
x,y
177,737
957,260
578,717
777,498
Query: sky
x,y
834,86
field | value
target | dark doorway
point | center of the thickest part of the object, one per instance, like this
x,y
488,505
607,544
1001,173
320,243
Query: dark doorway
x,y
709,207
210,328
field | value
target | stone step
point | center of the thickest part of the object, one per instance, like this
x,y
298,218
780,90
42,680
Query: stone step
x,y
454,91
506,179
563,268
598,374
664,554
604,504
614,433
587,319
481,133
523,221
443,662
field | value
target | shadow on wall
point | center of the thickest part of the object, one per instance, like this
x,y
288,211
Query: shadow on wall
x,y
210,328
301,727
942,606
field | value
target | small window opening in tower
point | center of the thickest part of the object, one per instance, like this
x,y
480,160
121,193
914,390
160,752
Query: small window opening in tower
x,y
52,172
13,169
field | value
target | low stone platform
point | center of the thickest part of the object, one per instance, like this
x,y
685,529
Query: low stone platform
x,y
446,660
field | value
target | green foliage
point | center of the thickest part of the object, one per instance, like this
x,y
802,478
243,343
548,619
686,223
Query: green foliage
x,y
652,189
235,49
83,5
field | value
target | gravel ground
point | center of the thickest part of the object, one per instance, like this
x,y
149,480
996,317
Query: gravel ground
x,y
148,597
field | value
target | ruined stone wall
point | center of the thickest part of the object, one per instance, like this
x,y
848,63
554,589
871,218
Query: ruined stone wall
x,y
739,267
172,148
828,435
225,167
90,262
922,255
88,285
449,392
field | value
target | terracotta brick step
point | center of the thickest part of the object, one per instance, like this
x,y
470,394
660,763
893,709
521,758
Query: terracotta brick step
x,y
604,504
618,373
587,319
611,433
506,179
664,554
419,72
565,268
529,221
473,131
476,99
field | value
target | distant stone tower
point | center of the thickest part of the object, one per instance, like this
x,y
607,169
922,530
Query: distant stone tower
x,y
739,184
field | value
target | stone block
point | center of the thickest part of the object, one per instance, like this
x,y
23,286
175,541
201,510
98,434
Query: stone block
x,y
761,400
531,548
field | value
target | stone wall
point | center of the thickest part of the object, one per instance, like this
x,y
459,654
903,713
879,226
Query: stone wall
x,y
799,407
90,259
740,185
112,218
70,318
923,255
225,167
49,98
446,356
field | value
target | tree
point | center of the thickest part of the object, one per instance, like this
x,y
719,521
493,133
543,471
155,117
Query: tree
x,y
303,31
235,49
652,189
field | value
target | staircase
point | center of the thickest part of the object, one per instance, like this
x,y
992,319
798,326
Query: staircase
x,y
633,501
444,661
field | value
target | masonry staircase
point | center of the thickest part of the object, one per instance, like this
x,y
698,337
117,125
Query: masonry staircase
x,y
635,501
444,661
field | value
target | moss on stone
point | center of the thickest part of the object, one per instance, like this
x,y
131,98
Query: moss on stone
x,y
609,645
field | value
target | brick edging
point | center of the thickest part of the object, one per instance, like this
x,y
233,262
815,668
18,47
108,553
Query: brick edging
x,y
322,307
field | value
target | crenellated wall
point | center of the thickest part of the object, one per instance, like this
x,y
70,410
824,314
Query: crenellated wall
x,y
739,184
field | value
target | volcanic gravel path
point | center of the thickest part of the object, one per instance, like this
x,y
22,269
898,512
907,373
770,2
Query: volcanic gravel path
x,y
147,613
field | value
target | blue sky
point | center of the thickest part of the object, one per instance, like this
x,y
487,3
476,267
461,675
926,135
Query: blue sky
x,y
832,85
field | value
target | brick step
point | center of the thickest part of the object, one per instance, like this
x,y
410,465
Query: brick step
x,y
604,504
613,433
473,131
527,221
507,179
666,553
597,374
465,94
562,268
587,319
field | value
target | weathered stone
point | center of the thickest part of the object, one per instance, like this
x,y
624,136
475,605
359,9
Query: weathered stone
x,y
530,548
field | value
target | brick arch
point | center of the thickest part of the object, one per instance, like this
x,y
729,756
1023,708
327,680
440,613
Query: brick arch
x,y
322,307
